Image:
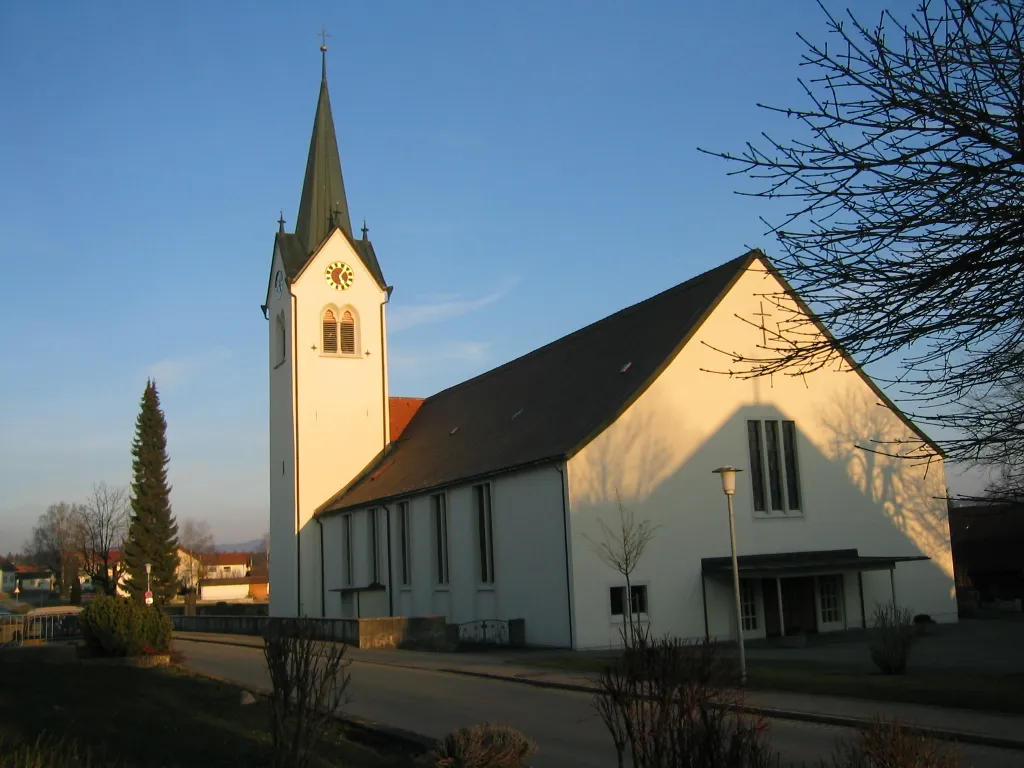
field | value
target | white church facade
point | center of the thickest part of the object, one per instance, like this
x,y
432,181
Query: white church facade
x,y
483,502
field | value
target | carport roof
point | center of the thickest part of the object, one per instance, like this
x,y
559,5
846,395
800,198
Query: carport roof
x,y
802,563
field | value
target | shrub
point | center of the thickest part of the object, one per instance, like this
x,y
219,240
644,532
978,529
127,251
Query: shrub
x,y
309,678
672,703
889,744
49,752
115,626
891,638
483,746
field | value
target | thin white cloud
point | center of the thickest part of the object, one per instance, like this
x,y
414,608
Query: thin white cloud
x,y
174,372
421,361
442,308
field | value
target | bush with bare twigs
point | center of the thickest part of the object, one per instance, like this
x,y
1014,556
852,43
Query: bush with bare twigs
x,y
309,678
891,638
673,704
889,744
50,751
483,746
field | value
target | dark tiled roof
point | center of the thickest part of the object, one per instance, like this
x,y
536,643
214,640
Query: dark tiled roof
x,y
547,404
293,253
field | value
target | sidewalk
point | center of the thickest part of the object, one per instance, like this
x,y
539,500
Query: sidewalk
x,y
968,726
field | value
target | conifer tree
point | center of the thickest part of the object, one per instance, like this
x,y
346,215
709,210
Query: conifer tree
x,y
152,532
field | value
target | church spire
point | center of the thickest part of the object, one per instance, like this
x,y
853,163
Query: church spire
x,y
323,205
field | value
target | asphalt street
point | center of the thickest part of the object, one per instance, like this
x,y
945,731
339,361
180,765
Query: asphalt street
x,y
561,722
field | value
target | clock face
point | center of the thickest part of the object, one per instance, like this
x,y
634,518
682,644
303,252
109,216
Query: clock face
x,y
339,275
279,283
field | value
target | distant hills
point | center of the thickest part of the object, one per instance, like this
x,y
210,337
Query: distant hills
x,y
255,545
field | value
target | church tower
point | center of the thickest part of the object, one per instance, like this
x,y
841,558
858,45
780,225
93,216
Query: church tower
x,y
326,303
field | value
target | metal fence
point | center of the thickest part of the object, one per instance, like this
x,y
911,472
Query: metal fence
x,y
22,629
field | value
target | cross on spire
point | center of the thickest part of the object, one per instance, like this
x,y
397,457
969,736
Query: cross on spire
x,y
280,222
323,35
365,228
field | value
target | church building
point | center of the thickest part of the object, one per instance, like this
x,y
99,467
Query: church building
x,y
489,500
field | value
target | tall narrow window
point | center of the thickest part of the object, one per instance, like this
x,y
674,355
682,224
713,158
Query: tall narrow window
x,y
831,589
346,544
330,340
437,501
756,466
792,478
348,334
279,339
404,541
748,604
371,517
774,470
485,535
771,434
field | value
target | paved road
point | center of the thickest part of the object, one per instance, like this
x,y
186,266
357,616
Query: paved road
x,y
561,722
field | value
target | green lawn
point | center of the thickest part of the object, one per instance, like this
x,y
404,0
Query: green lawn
x,y
962,688
149,717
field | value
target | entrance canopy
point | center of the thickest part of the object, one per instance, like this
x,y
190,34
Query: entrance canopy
x,y
784,564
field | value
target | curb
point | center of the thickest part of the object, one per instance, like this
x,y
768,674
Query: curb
x,y
842,721
407,740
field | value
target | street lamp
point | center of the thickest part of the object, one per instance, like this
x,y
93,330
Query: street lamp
x,y
728,475
149,594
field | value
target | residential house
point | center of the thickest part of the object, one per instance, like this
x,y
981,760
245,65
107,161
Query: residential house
x,y
485,502
988,551
227,565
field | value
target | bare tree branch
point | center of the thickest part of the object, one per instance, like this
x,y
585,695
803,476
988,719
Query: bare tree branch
x,y
907,174
102,527
622,550
196,540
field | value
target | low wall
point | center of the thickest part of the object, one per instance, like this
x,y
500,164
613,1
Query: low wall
x,y
389,632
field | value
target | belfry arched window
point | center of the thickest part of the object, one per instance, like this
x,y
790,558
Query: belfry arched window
x,y
348,333
330,333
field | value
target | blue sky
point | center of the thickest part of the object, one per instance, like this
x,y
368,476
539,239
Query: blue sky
x,y
525,168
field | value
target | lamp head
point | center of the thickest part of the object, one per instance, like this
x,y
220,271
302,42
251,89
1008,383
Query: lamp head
x,y
728,475
149,567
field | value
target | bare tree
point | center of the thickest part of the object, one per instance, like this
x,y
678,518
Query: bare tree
x,y
310,678
102,527
196,540
54,542
906,174
622,549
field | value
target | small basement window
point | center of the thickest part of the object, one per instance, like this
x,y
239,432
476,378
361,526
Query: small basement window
x,y
617,599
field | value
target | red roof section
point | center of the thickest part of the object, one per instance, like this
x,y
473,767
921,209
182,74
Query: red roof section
x,y
227,558
402,410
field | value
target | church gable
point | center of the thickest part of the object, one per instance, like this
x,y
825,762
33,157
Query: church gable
x,y
358,255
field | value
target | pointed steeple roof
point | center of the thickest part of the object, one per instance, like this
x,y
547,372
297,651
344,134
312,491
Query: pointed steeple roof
x,y
323,205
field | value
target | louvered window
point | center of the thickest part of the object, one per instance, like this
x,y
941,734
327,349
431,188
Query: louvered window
x,y
348,334
330,345
279,340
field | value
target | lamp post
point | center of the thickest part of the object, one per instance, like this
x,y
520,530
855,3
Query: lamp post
x,y
149,594
728,475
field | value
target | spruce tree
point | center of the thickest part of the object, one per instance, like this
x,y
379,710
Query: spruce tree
x,y
152,532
